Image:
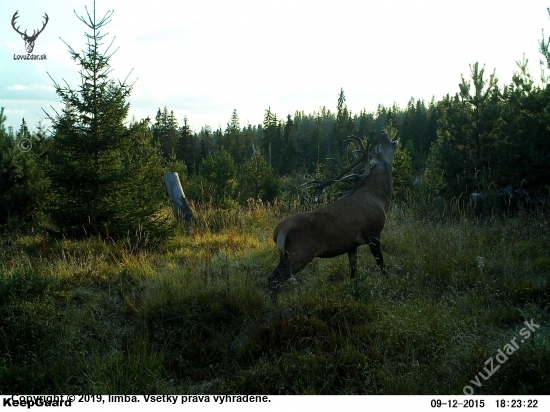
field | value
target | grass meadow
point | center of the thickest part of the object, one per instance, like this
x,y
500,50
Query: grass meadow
x,y
193,317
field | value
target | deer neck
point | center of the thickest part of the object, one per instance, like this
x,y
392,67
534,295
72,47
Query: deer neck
x,y
379,183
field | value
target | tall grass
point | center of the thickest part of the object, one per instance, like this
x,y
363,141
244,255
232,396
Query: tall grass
x,y
193,317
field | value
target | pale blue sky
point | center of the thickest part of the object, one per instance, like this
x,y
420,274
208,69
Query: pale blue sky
x,y
202,59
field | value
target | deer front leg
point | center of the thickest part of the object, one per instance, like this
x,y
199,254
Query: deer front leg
x,y
377,253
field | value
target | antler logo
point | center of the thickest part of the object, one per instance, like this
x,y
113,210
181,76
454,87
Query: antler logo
x,y
29,40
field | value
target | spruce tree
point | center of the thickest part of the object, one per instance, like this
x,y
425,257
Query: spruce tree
x,y
318,139
469,136
365,126
343,126
106,177
185,151
220,172
165,131
206,142
256,181
289,150
272,143
23,185
232,139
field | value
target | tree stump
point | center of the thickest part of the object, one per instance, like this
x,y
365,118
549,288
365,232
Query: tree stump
x,y
180,206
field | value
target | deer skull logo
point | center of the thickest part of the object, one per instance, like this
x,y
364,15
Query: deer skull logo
x,y
29,40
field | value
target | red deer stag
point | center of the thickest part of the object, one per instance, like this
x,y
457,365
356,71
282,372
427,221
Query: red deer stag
x,y
355,219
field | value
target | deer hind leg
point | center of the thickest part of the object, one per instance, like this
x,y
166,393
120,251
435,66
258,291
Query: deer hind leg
x,y
352,256
374,245
287,267
279,275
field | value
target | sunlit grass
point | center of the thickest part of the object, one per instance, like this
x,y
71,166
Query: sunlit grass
x,y
96,316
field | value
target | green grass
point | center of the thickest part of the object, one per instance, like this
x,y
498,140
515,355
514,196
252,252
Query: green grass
x,y
193,317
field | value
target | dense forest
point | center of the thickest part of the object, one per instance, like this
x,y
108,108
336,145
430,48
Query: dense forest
x,y
480,139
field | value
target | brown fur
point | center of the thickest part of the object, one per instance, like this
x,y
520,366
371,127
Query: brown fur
x,y
342,226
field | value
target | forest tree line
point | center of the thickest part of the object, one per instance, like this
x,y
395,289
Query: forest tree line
x,y
93,171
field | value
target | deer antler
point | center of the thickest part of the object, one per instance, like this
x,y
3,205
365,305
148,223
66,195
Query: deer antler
x,y
362,149
15,16
34,36
343,176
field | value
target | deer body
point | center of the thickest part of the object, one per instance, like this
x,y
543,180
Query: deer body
x,y
341,227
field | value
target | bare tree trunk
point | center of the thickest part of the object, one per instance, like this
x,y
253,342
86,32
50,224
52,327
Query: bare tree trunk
x,y
177,197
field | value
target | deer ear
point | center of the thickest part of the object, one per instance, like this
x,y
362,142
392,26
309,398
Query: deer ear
x,y
378,150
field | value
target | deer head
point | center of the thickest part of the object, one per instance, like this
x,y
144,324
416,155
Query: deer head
x,y
29,40
351,173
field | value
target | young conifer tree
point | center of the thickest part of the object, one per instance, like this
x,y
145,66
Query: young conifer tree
x,y
106,177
